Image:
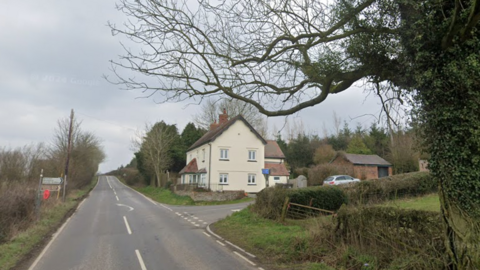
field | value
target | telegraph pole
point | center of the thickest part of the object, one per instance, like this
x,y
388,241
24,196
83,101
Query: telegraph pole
x,y
69,148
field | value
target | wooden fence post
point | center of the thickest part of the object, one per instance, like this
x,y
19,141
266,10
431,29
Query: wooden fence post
x,y
284,209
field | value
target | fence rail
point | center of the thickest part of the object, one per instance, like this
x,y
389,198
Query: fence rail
x,y
300,211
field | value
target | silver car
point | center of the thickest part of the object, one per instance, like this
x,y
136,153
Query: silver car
x,y
340,180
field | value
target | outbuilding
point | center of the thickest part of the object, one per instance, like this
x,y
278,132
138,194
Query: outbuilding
x,y
364,166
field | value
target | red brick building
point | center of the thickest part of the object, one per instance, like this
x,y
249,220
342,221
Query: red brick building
x,y
364,166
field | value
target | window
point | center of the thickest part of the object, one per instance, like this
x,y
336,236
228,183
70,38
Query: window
x,y
223,179
251,179
223,153
192,178
202,179
252,154
276,178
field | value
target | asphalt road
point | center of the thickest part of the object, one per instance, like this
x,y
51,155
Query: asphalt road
x,y
118,228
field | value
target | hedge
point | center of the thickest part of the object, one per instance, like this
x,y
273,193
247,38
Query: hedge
x,y
270,201
389,232
389,188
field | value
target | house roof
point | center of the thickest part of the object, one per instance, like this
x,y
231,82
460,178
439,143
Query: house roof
x,y
213,134
190,168
273,150
277,169
366,159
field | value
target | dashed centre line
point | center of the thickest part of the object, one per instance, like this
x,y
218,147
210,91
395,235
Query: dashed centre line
x,y
140,260
126,224
116,197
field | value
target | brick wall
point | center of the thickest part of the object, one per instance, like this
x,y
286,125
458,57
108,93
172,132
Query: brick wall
x,y
213,196
365,172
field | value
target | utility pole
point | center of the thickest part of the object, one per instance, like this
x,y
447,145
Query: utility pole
x,y
69,148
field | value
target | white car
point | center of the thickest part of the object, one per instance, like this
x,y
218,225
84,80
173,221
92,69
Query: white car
x,y
340,180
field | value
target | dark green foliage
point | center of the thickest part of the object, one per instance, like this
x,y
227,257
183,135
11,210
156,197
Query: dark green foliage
x,y
394,235
146,174
324,197
270,201
389,188
299,152
191,134
357,146
377,140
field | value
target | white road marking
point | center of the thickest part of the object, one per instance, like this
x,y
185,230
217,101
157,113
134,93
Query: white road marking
x,y
204,222
197,225
140,260
200,220
259,268
178,214
126,224
185,218
212,233
130,208
220,243
207,234
195,217
241,256
166,207
241,249
55,235
116,197
236,210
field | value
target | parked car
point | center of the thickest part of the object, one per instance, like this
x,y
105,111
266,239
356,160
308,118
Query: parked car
x,y
340,180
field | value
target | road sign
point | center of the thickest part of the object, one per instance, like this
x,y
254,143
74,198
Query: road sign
x,y
46,194
52,180
265,171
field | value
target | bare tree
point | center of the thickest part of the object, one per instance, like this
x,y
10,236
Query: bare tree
x,y
155,144
210,109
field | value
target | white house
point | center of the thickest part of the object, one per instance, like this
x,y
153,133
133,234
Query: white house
x,y
231,156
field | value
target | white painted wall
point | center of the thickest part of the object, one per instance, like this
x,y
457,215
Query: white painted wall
x,y
272,182
238,139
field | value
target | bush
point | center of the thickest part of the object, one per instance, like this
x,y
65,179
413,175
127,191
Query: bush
x,y
317,174
388,188
270,201
393,236
16,209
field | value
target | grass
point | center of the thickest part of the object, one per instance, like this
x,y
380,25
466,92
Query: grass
x,y
12,252
279,246
166,196
304,244
429,202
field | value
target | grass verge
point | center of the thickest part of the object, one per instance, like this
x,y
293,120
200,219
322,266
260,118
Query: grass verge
x,y
14,251
166,196
278,246
429,202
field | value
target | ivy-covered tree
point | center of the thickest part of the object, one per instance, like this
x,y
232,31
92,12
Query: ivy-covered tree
x,y
283,56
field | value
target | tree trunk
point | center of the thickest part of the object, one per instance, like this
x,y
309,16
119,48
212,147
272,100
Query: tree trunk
x,y
462,235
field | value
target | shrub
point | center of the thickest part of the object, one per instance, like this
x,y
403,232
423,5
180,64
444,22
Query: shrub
x,y
388,188
16,209
317,174
269,202
394,235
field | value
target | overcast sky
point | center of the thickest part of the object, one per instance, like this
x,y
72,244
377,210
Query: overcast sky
x,y
52,58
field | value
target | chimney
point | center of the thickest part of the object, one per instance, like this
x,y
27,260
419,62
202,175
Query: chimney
x,y
214,125
223,118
